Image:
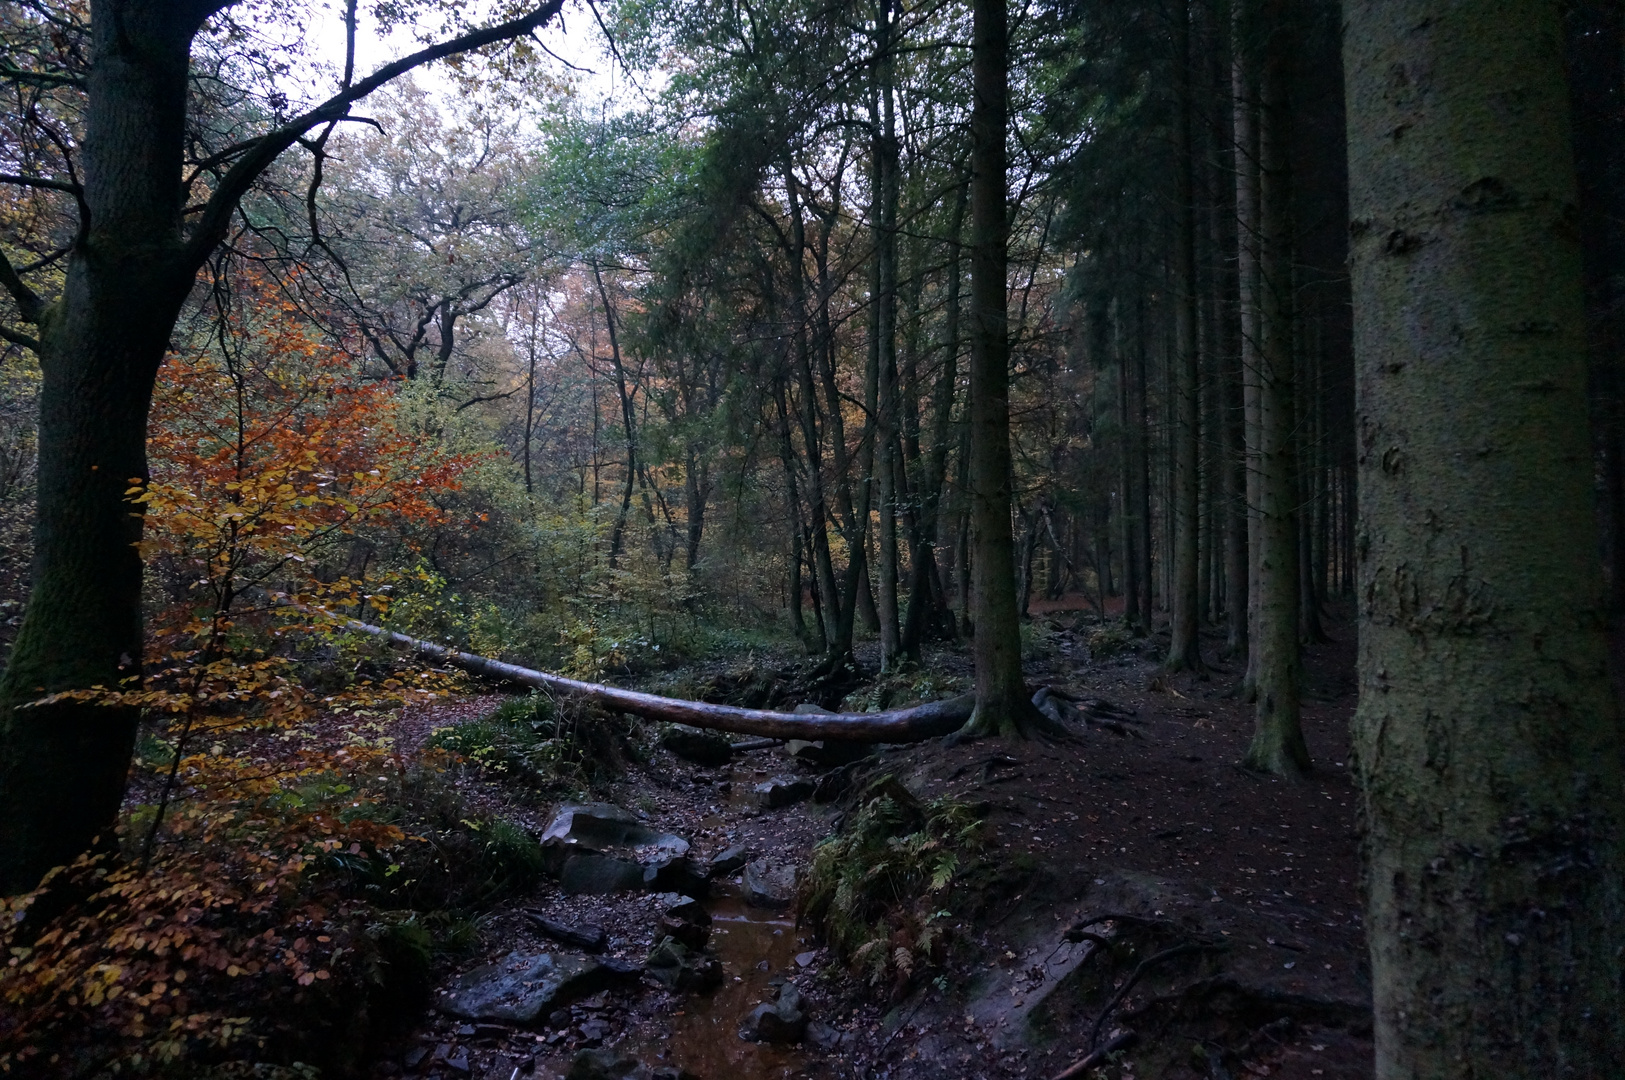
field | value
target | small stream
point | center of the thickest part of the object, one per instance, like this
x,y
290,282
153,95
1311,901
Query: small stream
x,y
757,950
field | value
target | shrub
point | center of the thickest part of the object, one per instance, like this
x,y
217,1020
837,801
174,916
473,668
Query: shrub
x,y
881,891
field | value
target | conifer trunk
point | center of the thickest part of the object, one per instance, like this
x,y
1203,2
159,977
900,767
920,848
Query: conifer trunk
x,y
1183,651
1277,744
1002,704
1487,736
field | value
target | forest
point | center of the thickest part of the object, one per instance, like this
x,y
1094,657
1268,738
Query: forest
x,y
787,539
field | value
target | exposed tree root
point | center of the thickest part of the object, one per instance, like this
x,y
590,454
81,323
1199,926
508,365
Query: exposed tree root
x,y
1097,1057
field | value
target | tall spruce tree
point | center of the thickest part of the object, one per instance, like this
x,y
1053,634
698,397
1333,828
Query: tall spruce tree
x,y
1487,736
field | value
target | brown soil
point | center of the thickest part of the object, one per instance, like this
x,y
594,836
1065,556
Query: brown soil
x,y
1254,877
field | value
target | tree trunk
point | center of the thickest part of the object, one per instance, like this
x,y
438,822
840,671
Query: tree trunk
x,y
1183,648
1487,736
63,766
885,329
628,416
1142,464
924,605
1127,501
1002,704
817,507
1244,84
1277,745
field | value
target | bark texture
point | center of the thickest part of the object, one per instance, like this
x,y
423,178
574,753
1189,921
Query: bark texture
x,y
62,766
1002,704
1487,738
1277,745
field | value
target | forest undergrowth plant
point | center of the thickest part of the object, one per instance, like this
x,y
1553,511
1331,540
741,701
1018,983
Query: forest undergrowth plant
x,y
539,743
884,891
227,917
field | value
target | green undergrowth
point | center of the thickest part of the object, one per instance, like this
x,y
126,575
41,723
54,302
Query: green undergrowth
x,y
886,890
540,745
903,688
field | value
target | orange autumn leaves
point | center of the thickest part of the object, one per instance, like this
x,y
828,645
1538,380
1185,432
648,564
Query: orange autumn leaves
x,y
269,455
282,487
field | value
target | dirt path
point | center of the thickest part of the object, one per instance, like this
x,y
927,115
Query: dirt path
x,y
1249,880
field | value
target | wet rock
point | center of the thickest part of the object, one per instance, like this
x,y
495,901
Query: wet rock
x,y
599,874
588,936
781,1021
772,794
523,986
674,874
680,969
686,922
599,826
823,1037
807,959
729,861
701,747
808,708
613,1065
826,753
593,1031
601,1065
769,884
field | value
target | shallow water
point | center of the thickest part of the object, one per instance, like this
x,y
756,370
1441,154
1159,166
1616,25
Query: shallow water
x,y
756,948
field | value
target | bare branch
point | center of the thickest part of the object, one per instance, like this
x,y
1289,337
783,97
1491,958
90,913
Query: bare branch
x,y
29,304
242,175
42,182
16,337
40,78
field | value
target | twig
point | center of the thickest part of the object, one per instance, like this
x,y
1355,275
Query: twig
x,y
1095,1057
1140,969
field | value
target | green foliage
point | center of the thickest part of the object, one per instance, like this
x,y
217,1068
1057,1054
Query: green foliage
x,y
531,741
1110,640
906,686
454,858
883,891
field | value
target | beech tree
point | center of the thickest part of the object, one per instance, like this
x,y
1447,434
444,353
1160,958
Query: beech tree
x,y
1487,735
147,220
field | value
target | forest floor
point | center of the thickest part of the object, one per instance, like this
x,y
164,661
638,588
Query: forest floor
x,y
1219,908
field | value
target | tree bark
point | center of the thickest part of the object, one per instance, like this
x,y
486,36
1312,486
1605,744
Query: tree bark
x,y
884,324
1127,500
1277,744
1002,704
1183,649
817,507
1487,735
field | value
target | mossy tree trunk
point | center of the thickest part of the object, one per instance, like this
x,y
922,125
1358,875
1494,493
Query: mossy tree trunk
x,y
62,766
1487,737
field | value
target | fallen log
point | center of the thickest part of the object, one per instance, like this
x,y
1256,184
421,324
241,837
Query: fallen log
x,y
915,724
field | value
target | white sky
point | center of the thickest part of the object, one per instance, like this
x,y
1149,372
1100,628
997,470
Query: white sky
x,y
575,37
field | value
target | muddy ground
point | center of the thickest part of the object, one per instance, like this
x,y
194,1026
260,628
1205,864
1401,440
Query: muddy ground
x,y
1214,911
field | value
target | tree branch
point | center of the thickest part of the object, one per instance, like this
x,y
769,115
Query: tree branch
x,y
42,182
40,78
217,214
17,338
29,304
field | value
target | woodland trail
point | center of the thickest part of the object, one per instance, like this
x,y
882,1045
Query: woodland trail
x,y
1245,885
